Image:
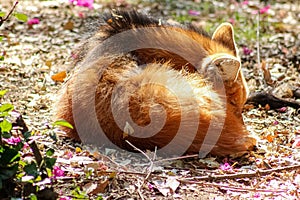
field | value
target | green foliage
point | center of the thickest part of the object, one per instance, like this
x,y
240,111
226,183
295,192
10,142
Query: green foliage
x,y
21,17
62,123
2,93
31,169
78,194
50,152
33,197
9,158
2,14
12,166
5,126
49,162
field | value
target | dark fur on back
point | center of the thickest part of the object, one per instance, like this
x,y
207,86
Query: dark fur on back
x,y
120,20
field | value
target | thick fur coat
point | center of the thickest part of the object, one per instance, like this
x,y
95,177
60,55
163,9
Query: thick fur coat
x,y
157,97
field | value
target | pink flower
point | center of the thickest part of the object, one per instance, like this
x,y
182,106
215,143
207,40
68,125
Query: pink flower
x,y
275,122
65,198
57,172
247,51
69,154
282,110
83,3
245,2
231,21
81,15
26,145
12,140
264,9
296,143
150,186
256,195
194,12
226,167
33,21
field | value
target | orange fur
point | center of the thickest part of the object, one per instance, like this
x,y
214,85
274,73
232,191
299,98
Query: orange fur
x,y
169,82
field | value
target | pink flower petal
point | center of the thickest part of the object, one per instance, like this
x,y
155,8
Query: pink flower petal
x,y
264,9
231,21
12,140
226,167
245,2
296,143
247,51
194,12
283,109
57,172
33,21
83,3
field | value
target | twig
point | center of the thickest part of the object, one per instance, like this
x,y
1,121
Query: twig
x,y
245,175
36,152
139,150
10,12
244,189
263,98
178,158
150,167
258,41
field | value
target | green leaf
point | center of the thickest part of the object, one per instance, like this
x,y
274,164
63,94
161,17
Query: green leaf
x,y
31,169
8,172
49,162
99,198
2,93
1,38
21,17
50,152
5,126
77,193
2,14
6,107
27,135
33,197
63,123
8,156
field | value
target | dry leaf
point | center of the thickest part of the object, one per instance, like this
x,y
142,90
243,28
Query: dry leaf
x,y
101,187
48,63
59,77
267,73
69,25
270,138
90,187
172,183
78,150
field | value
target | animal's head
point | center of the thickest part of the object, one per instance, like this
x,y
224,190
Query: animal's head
x,y
226,60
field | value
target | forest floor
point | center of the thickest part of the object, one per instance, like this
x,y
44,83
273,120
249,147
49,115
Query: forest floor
x,y
33,53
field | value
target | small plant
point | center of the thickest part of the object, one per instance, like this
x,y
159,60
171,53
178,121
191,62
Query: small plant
x,y
18,171
4,17
19,16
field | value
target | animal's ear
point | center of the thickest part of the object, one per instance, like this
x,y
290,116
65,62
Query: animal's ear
x,y
221,64
225,35
228,66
